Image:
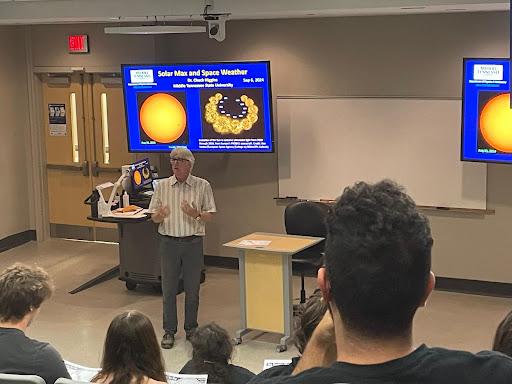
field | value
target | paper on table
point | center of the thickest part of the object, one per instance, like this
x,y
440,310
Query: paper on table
x,y
85,374
268,363
254,243
79,372
175,378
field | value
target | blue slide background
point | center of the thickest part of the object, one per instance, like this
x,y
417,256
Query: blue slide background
x,y
256,70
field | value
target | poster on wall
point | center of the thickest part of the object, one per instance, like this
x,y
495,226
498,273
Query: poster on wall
x,y
57,119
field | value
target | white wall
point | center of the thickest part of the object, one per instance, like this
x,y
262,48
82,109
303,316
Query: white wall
x,y
14,217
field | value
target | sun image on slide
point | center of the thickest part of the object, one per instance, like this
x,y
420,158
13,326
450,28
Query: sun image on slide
x,y
137,177
495,122
163,118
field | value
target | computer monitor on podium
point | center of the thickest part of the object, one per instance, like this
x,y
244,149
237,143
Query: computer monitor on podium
x,y
140,176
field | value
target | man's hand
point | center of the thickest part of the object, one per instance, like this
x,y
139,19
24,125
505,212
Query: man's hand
x,y
189,210
161,214
321,348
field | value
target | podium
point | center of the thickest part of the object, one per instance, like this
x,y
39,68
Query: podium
x,y
265,268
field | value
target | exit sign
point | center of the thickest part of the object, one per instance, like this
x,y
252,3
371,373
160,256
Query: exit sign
x,y
78,44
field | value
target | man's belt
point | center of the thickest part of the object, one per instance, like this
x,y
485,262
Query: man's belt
x,y
184,239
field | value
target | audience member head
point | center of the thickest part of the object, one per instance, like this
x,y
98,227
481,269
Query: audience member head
x,y
311,312
503,337
378,258
131,353
212,350
22,291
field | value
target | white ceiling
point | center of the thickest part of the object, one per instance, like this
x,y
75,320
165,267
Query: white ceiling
x,y
73,11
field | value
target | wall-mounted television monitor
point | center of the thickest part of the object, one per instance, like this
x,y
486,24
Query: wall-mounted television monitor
x,y
486,111
207,107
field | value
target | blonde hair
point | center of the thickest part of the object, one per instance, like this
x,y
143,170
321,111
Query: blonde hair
x,y
183,153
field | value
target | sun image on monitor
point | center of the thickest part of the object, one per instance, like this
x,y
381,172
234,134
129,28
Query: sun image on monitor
x,y
486,111
494,122
162,118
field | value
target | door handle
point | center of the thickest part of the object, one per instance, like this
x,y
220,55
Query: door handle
x,y
109,170
85,168
95,169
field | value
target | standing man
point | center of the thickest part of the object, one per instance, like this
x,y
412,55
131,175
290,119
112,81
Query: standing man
x,y
181,204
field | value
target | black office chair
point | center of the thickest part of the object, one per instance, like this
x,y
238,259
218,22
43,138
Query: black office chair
x,y
307,218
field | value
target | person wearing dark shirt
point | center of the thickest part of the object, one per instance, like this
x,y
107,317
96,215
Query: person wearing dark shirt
x,y
308,318
377,274
503,337
22,291
211,353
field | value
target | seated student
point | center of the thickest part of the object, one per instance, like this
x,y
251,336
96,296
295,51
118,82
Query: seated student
x,y
131,354
22,291
503,337
212,350
378,259
311,312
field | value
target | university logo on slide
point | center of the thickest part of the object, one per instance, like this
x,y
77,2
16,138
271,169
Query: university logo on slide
x,y
488,72
141,75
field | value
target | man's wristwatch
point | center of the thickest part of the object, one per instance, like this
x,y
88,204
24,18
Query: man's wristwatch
x,y
198,217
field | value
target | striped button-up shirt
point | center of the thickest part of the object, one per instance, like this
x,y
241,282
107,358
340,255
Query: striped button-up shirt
x,y
170,192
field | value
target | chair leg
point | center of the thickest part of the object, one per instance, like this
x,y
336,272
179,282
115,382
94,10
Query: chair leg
x,y
302,289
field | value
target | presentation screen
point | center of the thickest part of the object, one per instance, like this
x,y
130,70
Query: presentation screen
x,y
207,107
486,112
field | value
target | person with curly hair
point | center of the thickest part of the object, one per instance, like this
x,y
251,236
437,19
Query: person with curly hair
x,y
211,355
377,275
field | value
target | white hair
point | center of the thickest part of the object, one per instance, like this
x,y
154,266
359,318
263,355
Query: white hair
x,y
183,153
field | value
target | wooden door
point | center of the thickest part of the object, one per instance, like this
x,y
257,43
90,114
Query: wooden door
x,y
67,152
109,134
86,146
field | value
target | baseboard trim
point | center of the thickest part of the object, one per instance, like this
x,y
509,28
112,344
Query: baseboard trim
x,y
65,231
17,239
221,261
473,287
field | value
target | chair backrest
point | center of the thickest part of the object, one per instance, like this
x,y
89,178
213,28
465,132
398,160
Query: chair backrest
x,y
68,381
8,378
306,218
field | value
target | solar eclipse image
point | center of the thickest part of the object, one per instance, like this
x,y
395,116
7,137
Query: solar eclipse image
x,y
232,113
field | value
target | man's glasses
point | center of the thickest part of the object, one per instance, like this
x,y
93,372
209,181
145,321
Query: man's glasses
x,y
178,160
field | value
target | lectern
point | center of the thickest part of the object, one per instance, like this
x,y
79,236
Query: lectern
x,y
265,268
